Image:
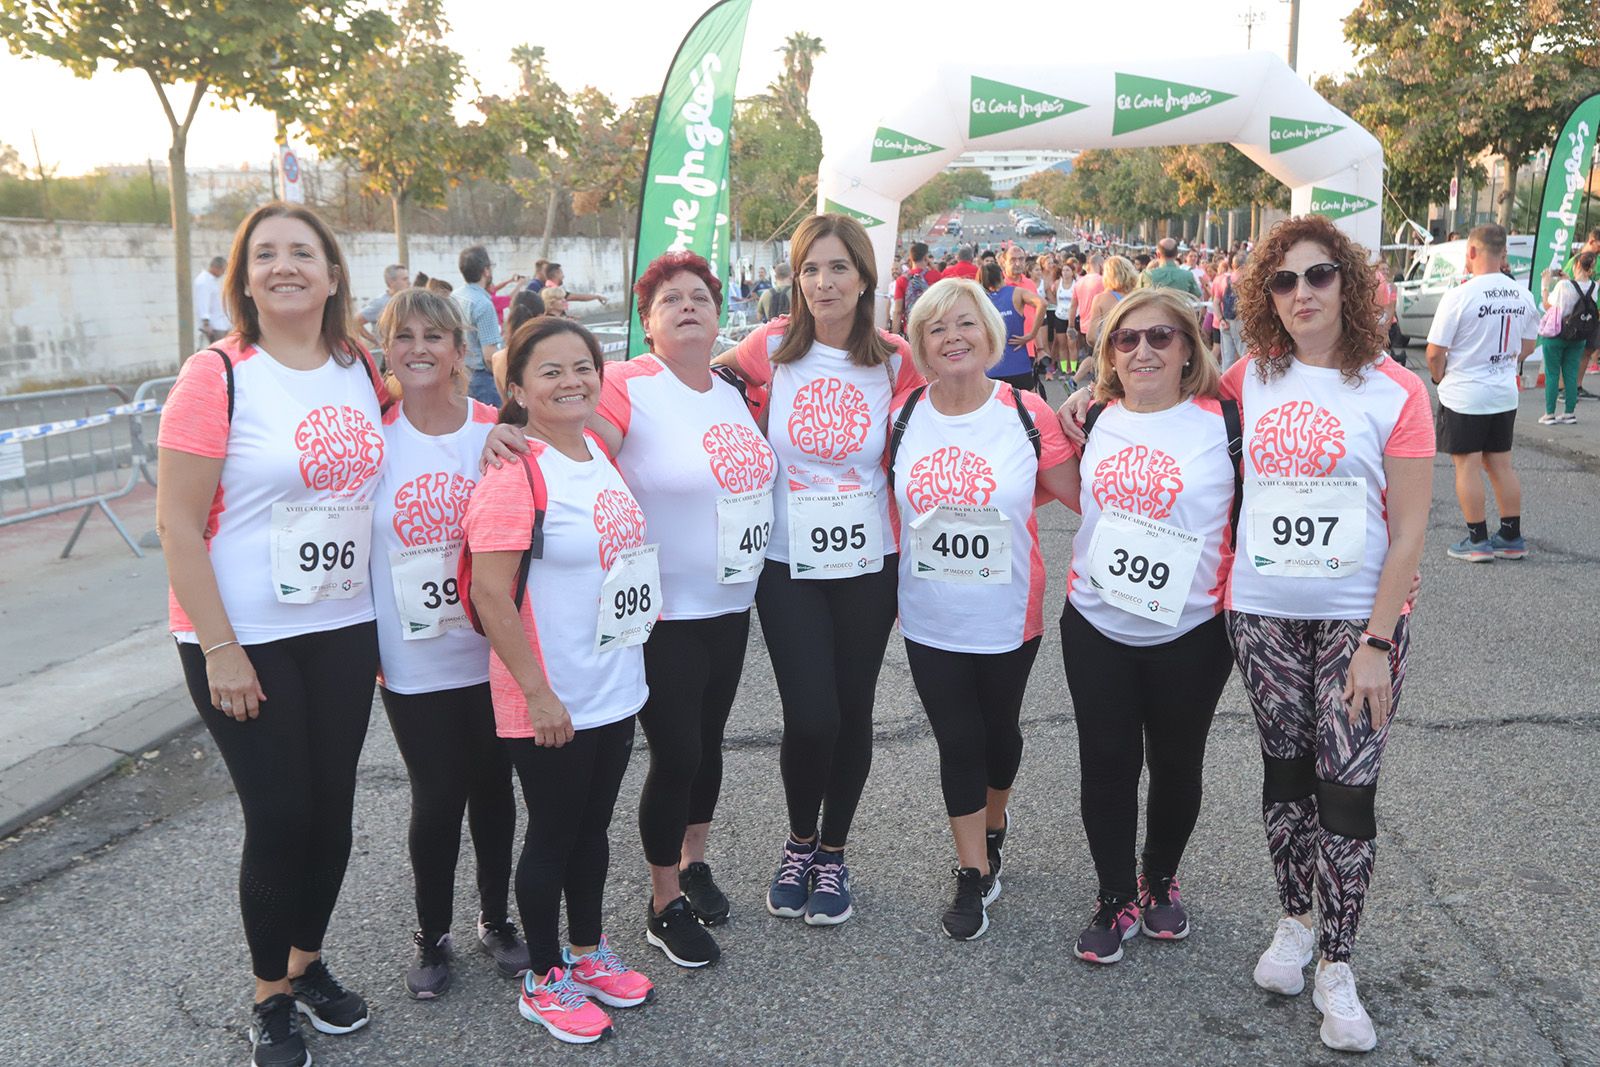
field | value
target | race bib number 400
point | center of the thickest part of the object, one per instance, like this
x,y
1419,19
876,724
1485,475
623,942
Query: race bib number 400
x,y
744,525
425,592
1143,566
1307,527
630,600
320,551
961,544
834,535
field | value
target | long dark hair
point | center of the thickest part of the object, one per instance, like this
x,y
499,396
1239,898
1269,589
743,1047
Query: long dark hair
x,y
338,311
519,352
867,346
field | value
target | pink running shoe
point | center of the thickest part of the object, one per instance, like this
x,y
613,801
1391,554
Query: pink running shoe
x,y
602,975
1162,915
1114,921
560,1007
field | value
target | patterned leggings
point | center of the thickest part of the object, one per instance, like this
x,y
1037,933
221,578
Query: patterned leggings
x,y
1294,671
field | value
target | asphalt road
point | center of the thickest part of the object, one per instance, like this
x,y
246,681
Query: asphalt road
x,y
120,939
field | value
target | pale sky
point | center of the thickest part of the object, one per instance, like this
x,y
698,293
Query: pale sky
x,y
624,46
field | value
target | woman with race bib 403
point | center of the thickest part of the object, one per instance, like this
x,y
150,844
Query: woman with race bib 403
x,y
967,455
827,590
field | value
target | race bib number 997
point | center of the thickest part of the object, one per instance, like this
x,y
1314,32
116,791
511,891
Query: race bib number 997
x,y
1307,527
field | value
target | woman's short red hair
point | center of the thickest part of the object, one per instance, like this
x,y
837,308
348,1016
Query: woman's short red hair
x,y
670,265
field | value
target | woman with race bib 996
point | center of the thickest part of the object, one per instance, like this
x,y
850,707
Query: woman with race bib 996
x,y
1142,635
271,449
435,682
967,454
566,590
827,590
1338,465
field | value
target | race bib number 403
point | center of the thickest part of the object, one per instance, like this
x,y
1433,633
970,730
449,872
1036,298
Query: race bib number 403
x,y
744,525
320,551
962,544
425,592
835,535
1143,566
1307,527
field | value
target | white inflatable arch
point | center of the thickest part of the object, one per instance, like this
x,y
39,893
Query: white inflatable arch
x,y
1253,101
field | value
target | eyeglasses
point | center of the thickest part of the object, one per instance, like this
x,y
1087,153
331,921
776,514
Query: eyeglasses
x,y
1319,276
1126,340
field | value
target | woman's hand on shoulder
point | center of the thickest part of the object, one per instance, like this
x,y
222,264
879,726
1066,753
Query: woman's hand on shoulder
x,y
505,444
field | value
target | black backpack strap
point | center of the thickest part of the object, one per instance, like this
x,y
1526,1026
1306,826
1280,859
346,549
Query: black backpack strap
x,y
899,430
1091,416
1235,428
731,376
1027,423
227,372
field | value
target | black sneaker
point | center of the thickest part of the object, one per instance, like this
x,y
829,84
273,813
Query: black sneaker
x,y
708,903
275,1034
967,916
500,942
679,934
331,1007
996,841
429,975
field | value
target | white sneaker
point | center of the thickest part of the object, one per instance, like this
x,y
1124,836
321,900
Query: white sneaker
x,y
1281,969
1548,420
1346,1026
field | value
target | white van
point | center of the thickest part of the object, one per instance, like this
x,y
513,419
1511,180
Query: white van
x,y
1440,268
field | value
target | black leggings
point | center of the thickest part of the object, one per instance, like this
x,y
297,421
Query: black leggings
x,y
692,667
456,764
1129,701
294,769
973,701
570,792
826,639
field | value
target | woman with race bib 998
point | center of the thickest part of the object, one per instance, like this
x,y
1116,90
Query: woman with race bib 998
x,y
1338,449
967,454
827,590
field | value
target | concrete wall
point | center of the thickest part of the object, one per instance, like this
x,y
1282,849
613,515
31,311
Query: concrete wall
x,y
96,301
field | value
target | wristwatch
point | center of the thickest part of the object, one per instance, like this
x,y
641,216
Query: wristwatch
x,y
1372,640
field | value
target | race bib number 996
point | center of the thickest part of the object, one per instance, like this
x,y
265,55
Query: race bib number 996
x,y
320,551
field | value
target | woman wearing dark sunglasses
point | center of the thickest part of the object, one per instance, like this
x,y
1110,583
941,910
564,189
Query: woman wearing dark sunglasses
x,y
1338,447
1142,635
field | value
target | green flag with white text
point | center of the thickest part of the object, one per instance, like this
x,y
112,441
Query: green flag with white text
x,y
1570,164
685,176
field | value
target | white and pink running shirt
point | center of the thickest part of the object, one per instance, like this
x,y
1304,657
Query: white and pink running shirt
x,y
297,437
591,518
418,510
1309,423
828,423
1172,467
980,459
683,451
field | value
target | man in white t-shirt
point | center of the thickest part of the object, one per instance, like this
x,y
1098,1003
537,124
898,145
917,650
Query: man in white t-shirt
x,y
1483,330
209,314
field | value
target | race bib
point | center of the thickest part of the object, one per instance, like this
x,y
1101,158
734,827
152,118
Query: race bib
x,y
1307,527
1142,566
320,551
962,544
834,535
424,580
630,600
744,525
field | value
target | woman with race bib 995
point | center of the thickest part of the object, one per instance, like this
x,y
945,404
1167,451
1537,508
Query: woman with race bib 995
x,y
967,454
827,590
271,450
566,590
435,683
1338,465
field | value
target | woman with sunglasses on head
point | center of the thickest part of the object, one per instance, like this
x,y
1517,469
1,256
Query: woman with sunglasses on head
x,y
967,455
1338,455
1142,635
826,594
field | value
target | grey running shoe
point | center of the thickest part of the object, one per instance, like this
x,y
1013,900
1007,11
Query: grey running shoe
x,y
429,975
500,942
1161,913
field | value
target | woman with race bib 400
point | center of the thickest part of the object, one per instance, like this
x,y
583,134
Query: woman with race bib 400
x,y
271,449
1338,450
967,455
827,591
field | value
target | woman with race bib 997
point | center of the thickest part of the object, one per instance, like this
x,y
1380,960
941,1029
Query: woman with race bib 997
x,y
967,454
827,590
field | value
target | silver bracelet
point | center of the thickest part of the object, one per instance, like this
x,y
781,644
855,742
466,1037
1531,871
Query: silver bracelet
x,y
213,648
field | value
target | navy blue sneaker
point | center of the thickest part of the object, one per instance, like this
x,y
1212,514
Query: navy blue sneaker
x,y
1508,547
1471,551
791,884
829,903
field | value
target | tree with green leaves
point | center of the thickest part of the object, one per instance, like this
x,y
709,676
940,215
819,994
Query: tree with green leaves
x,y
538,123
607,158
276,54
777,146
392,115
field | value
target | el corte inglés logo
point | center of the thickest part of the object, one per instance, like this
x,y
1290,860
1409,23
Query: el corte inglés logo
x,y
1145,102
1337,205
892,144
860,216
998,107
1284,134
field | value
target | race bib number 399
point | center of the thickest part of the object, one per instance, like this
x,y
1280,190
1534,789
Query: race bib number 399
x,y
1143,566
320,551
1307,527
834,535
425,592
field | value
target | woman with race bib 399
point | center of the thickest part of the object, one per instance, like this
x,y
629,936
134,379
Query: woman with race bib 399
x,y
827,590
967,454
1338,466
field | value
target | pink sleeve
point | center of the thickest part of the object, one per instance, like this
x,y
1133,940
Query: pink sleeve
x,y
752,355
909,377
614,406
1054,446
500,511
194,418
1232,384
1412,436
482,413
